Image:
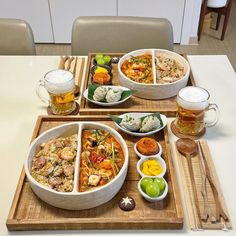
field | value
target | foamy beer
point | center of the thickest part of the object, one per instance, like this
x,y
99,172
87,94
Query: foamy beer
x,y
60,86
192,103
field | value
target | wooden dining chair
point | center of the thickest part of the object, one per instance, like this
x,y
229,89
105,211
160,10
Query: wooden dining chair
x,y
16,38
120,34
225,11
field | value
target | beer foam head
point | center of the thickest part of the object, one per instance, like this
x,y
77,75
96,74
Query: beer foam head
x,y
59,81
193,98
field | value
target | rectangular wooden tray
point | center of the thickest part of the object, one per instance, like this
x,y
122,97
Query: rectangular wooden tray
x,y
28,212
134,104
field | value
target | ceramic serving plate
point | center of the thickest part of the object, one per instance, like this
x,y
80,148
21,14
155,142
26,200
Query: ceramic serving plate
x,y
140,115
76,200
110,104
155,91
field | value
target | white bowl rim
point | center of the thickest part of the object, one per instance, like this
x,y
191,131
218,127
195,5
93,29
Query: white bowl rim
x,y
139,134
126,155
153,50
159,159
159,198
142,156
106,104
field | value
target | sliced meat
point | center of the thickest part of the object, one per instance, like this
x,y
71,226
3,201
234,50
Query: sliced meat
x,y
39,162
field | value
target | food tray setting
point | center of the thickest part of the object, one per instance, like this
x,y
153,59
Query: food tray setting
x,y
29,212
165,105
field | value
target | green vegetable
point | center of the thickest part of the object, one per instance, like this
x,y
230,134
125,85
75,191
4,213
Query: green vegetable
x,y
161,183
145,182
104,138
91,90
126,94
98,56
113,152
153,190
107,59
116,119
101,61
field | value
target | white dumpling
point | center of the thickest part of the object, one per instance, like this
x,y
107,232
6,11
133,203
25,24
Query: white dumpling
x,y
130,123
150,123
100,93
113,95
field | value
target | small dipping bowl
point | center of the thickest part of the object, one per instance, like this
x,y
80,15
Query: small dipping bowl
x,y
96,64
153,199
109,72
140,155
159,159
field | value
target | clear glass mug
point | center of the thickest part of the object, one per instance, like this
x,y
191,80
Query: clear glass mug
x,y
192,104
60,85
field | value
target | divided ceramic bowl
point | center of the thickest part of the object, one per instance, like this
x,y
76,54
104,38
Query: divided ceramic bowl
x,y
155,91
76,200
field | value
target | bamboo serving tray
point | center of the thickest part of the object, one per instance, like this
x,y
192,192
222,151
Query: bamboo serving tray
x,y
134,104
28,212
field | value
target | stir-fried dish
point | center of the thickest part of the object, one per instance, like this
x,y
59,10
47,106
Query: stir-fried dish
x,y
53,164
101,159
168,70
139,69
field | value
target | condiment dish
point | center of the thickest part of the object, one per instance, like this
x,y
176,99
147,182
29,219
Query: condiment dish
x,y
158,159
153,199
143,156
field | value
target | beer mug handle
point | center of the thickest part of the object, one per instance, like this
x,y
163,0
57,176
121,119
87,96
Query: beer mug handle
x,y
213,107
38,92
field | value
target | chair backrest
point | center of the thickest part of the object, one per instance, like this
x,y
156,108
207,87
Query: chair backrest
x,y
120,34
16,38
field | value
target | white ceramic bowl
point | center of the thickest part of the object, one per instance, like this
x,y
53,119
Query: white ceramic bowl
x,y
159,159
76,200
110,104
139,115
142,156
153,199
154,91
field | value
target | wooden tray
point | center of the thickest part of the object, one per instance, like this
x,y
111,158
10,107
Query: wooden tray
x,y
134,104
30,213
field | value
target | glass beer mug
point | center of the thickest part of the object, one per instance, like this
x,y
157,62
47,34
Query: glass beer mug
x,y
192,104
60,85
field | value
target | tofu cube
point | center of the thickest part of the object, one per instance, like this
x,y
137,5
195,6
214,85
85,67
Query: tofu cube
x,y
93,180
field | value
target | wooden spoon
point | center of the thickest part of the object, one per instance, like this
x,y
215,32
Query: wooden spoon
x,y
188,147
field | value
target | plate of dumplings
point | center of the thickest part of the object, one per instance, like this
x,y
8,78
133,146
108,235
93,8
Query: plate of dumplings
x,y
140,124
108,95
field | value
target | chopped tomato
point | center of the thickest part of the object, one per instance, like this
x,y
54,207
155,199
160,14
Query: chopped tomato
x,y
97,158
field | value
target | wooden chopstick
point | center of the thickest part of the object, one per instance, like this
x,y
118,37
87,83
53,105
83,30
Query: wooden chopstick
x,y
219,210
70,59
62,62
207,212
196,203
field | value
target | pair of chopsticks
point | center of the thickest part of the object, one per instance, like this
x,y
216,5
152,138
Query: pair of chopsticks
x,y
206,175
68,63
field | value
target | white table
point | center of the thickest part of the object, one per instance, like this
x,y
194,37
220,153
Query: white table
x,y
20,108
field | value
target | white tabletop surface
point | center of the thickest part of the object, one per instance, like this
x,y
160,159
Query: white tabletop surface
x,y
20,108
